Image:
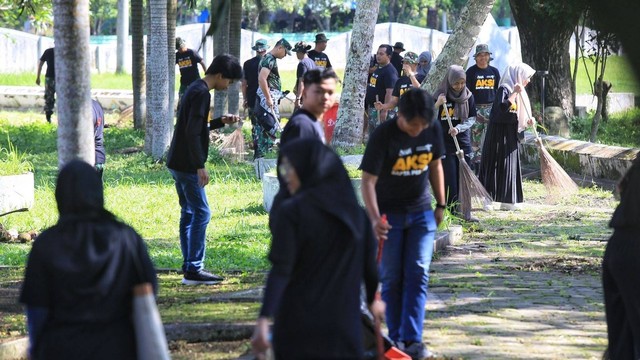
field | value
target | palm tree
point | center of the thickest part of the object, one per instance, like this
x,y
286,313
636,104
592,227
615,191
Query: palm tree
x,y
348,128
122,31
73,80
220,46
171,38
235,38
138,64
158,129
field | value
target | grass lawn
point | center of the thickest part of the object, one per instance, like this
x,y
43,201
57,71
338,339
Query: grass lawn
x,y
618,72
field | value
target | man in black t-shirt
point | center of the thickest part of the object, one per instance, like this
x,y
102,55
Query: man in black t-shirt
x,y
187,61
319,96
186,161
49,82
379,88
250,87
483,80
396,58
409,80
401,161
317,54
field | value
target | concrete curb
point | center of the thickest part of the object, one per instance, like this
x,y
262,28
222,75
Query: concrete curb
x,y
14,349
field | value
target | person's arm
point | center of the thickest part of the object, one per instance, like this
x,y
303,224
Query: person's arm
x,y
223,120
39,71
436,177
467,123
36,318
262,82
387,98
299,93
243,88
411,74
204,66
387,106
370,198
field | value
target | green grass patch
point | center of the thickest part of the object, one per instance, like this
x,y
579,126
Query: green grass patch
x,y
12,162
622,129
619,72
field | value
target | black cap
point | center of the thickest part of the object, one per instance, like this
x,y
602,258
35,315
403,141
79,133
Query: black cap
x,y
399,45
321,38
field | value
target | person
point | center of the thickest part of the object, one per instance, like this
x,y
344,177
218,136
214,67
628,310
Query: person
x,y
482,80
249,89
424,64
400,162
457,100
317,54
319,96
373,64
620,268
187,61
186,162
98,136
80,273
323,249
500,171
304,65
409,80
49,82
29,25
270,91
396,58
379,88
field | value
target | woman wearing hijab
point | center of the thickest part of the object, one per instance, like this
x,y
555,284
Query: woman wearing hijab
x,y
457,100
620,268
510,114
322,250
80,274
424,64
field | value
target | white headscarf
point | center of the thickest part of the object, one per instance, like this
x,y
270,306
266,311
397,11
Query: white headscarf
x,y
517,74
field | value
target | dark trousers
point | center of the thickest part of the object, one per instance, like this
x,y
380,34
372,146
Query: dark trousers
x,y
621,283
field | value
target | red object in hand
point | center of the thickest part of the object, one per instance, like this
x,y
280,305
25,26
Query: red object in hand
x,y
383,218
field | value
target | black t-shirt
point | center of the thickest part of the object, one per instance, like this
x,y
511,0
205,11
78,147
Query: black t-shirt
x,y
464,138
98,131
250,70
483,83
382,79
401,163
321,59
48,57
404,84
188,63
396,61
301,125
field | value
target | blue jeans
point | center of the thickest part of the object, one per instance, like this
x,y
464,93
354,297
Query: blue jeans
x,y
194,218
404,272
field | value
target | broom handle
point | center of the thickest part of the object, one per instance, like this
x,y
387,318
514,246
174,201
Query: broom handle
x,y
535,131
455,139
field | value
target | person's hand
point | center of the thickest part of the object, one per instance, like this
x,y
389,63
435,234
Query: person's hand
x,y
230,119
481,119
260,339
439,215
269,102
38,80
454,131
203,177
381,227
407,69
377,309
517,88
441,100
378,105
531,122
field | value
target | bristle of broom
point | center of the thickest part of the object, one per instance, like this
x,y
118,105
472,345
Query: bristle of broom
x,y
557,182
233,145
472,195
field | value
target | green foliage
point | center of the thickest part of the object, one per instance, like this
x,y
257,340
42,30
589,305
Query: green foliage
x,y
622,129
618,72
13,162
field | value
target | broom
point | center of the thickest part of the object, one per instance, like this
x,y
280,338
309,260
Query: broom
x,y
557,182
233,144
470,189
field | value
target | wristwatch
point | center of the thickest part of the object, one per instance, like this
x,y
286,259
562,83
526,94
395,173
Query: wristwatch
x,y
441,206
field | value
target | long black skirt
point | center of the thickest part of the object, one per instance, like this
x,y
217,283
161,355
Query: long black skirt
x,y
500,171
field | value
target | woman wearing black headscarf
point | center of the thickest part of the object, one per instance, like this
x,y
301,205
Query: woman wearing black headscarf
x,y
620,269
80,274
323,248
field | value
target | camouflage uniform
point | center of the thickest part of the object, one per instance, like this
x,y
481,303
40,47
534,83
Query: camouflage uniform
x,y
478,131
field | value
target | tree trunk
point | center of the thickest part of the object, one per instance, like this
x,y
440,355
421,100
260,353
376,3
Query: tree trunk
x,y
348,130
235,38
548,26
73,81
138,64
595,124
457,47
123,34
606,87
158,133
171,63
220,46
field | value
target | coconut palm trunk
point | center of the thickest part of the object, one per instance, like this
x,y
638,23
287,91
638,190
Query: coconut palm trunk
x,y
171,64
138,64
348,128
220,46
457,47
235,38
73,81
122,31
158,129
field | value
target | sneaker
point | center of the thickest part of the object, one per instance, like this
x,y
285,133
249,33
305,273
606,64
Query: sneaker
x,y
510,207
200,277
417,351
